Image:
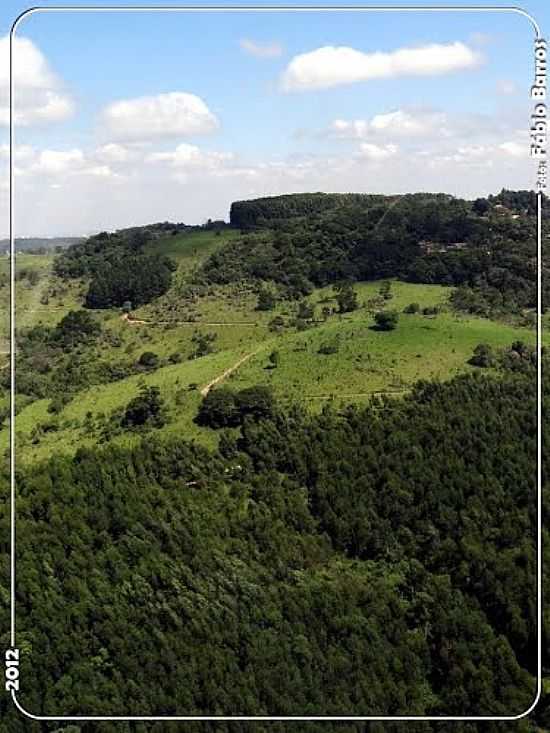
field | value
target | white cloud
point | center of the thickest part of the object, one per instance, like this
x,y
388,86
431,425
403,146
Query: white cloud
x,y
377,152
515,149
261,50
164,115
401,123
113,153
331,66
58,161
103,171
190,156
38,93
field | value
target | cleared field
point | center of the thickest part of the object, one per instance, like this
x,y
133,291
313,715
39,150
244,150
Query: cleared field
x,y
193,247
365,361
369,361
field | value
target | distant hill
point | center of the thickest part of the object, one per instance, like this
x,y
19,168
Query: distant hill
x,y
26,244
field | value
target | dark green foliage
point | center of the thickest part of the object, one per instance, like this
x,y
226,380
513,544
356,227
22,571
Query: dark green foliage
x,y
412,308
346,297
274,359
121,273
481,206
330,347
218,409
149,360
378,561
257,402
222,407
134,278
203,344
147,409
258,212
58,403
266,300
385,290
318,239
483,356
386,320
277,324
306,311
76,327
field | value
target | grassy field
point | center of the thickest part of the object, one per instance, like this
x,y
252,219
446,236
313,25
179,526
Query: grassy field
x,y
367,361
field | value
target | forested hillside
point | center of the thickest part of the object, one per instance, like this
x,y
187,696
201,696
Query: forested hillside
x,y
485,247
376,561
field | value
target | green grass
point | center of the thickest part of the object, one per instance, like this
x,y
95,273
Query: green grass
x,y
368,361
191,248
103,399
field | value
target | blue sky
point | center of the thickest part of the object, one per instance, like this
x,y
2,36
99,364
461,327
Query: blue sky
x,y
245,104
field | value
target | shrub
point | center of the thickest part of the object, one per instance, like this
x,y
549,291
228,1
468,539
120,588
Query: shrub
x,y
76,327
145,409
386,320
149,360
483,356
266,300
218,409
346,298
255,401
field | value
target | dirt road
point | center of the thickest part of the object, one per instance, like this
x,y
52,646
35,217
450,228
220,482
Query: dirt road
x,y
205,390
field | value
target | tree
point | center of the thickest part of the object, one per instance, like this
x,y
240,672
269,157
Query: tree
x,y
346,298
218,409
266,300
386,320
305,312
412,308
145,409
483,356
76,327
480,206
329,347
277,324
204,344
149,360
257,401
385,290
274,359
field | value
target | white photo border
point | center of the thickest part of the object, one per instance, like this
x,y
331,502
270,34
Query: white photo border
x,y
263,9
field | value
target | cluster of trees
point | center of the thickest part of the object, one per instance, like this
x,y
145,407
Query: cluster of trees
x,y
224,408
306,240
121,272
380,560
518,357
147,409
57,362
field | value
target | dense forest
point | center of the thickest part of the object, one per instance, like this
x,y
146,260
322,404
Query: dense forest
x,y
375,560
487,247
118,269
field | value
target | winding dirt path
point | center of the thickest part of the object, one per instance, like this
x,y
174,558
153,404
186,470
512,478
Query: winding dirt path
x,y
138,322
206,389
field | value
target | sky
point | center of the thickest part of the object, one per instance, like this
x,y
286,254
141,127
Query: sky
x,y
127,118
